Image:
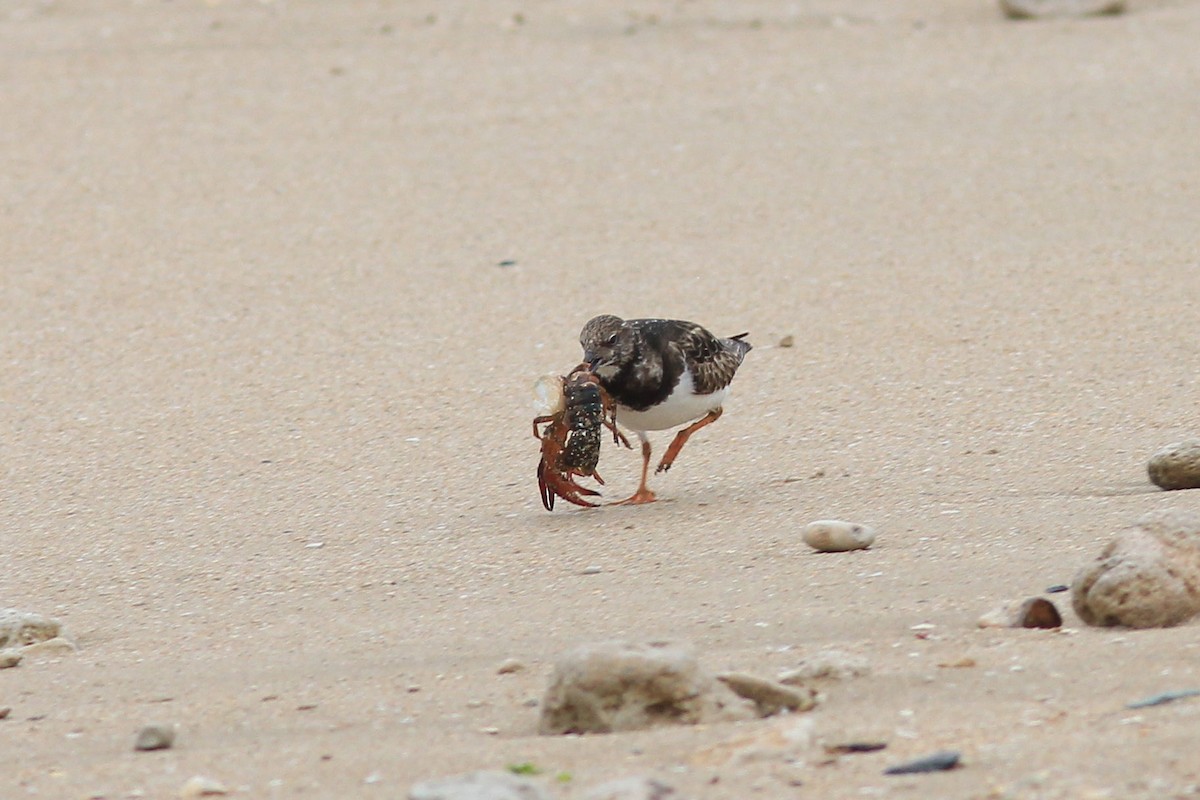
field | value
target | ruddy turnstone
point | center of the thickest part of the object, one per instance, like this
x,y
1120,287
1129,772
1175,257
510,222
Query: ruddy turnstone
x,y
661,373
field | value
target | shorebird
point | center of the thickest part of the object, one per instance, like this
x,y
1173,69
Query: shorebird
x,y
661,373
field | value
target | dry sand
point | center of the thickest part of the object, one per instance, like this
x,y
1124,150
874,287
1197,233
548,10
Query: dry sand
x,y
266,391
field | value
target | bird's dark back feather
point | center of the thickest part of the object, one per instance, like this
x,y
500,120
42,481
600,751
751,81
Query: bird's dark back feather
x,y
665,347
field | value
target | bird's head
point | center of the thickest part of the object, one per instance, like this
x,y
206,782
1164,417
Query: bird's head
x,y
608,342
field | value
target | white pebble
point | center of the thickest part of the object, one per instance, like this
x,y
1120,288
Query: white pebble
x,y
836,536
200,786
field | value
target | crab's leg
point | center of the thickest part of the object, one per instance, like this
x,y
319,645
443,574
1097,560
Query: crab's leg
x,y
538,421
609,418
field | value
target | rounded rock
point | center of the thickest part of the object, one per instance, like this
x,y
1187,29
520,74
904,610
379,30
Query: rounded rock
x,y
1176,466
836,536
1148,576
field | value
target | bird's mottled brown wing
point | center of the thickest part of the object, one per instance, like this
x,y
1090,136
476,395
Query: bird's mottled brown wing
x,y
712,361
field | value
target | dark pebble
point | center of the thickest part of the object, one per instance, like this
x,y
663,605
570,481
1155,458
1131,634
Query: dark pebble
x,y
1164,697
1058,587
855,747
938,762
508,262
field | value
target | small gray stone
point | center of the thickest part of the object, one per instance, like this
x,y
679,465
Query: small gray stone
x,y
1148,576
155,737
478,786
769,697
9,658
1031,9
1176,466
631,789
623,686
836,536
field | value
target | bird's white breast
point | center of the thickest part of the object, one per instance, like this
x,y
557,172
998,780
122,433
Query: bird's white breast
x,y
682,406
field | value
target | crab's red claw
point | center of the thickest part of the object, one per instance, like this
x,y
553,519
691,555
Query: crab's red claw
x,y
576,489
547,495
571,497
554,484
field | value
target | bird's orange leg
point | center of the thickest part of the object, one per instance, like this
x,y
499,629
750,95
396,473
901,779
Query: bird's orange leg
x,y
643,493
682,437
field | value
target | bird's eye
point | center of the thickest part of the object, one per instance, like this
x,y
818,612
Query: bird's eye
x,y
612,340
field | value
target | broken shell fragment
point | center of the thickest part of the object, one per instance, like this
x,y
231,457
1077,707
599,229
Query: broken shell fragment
x,y
548,398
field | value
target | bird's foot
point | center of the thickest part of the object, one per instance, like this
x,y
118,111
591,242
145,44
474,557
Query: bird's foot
x,y
642,495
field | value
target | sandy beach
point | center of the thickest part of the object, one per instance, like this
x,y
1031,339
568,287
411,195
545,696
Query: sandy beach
x,y
278,278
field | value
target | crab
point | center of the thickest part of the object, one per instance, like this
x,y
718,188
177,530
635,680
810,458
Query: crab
x,y
577,409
